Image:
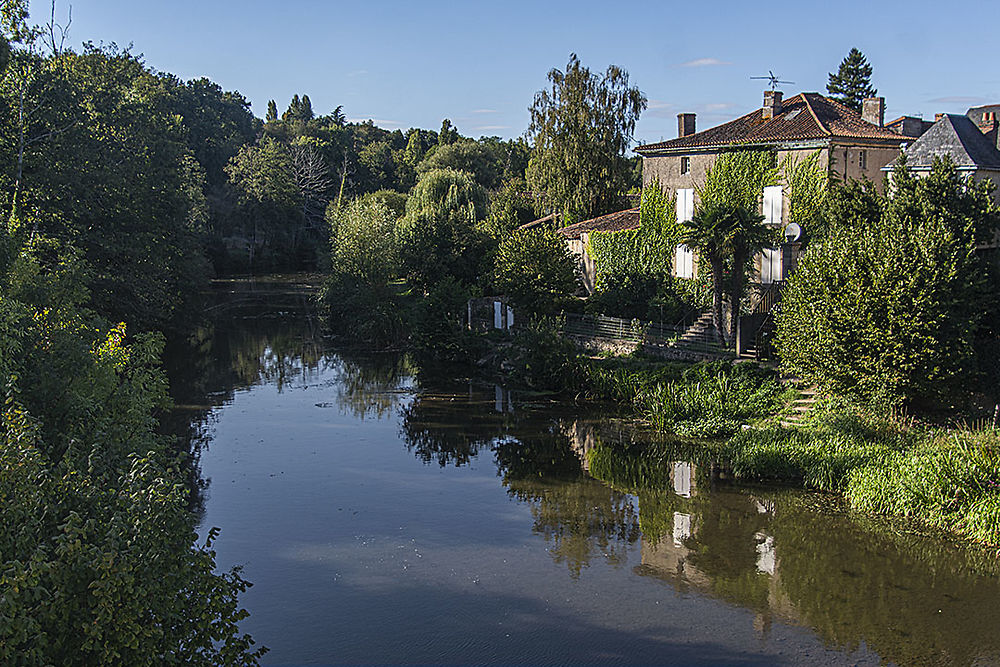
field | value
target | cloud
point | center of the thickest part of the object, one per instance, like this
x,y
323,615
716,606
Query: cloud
x,y
357,72
485,111
959,99
492,127
660,109
704,62
718,106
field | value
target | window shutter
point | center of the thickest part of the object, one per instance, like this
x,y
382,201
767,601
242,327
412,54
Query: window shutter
x,y
772,205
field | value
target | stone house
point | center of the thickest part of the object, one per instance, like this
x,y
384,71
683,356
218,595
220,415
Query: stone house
x,y
578,234
971,142
850,146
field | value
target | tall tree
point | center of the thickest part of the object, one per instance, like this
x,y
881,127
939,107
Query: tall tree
x,y
852,82
272,112
581,128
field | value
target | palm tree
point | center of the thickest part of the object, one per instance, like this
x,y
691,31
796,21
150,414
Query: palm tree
x,y
722,232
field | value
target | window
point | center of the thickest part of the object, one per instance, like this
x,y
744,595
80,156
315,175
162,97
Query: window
x,y
685,165
685,204
683,262
771,208
863,159
770,266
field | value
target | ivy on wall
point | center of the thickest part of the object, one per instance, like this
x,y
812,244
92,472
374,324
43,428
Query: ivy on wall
x,y
646,251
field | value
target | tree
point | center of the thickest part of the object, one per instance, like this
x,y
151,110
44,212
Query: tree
x,y
852,82
888,309
535,269
448,134
272,112
581,127
465,155
438,236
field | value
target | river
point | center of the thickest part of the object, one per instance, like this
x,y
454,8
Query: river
x,y
387,513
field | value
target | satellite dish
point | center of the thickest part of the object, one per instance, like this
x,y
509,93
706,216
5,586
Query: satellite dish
x,y
792,232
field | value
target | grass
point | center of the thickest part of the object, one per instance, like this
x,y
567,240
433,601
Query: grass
x,y
947,479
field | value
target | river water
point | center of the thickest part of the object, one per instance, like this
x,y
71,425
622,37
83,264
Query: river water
x,y
387,513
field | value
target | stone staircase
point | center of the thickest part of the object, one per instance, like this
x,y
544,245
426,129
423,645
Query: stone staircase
x,y
803,404
701,333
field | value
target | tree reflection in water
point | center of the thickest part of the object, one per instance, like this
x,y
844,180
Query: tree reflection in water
x,y
599,490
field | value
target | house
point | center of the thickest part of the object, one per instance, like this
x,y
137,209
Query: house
x,y
850,146
578,234
971,142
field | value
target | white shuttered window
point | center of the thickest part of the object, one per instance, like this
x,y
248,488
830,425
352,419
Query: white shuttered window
x,y
684,256
772,205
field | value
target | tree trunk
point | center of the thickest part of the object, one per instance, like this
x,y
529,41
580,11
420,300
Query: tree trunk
x,y
736,295
718,314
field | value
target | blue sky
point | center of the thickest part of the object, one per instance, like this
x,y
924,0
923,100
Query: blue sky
x,y
414,63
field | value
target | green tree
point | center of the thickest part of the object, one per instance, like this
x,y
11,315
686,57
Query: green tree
x,y
439,236
448,134
581,127
536,270
272,112
852,82
465,155
888,310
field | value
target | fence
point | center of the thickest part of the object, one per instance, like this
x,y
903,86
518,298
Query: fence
x,y
614,328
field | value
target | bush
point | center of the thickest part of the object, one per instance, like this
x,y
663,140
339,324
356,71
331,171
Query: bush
x,y
888,311
535,269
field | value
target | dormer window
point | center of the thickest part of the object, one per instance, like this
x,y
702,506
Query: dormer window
x,y
685,165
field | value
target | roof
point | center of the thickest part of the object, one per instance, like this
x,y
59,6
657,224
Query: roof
x,y
956,137
976,113
807,116
549,220
612,222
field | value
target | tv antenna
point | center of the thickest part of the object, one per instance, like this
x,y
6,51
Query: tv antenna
x,y
774,81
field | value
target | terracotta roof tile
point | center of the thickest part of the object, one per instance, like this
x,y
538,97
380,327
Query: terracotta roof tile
x,y
612,222
807,116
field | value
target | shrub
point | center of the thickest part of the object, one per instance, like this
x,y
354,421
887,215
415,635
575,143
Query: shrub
x,y
889,310
535,269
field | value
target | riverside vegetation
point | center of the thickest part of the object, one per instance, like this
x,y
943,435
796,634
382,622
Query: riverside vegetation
x,y
99,562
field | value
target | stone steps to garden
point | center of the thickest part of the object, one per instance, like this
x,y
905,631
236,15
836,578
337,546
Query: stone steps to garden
x,y
799,409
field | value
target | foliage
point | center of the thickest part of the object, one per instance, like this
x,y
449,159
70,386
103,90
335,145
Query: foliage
x,y
806,185
362,240
439,331
510,207
535,269
711,400
634,267
725,229
138,212
581,127
97,545
888,311
852,82
541,358
465,155
438,236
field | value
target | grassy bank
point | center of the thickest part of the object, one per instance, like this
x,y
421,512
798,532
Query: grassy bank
x,y
946,478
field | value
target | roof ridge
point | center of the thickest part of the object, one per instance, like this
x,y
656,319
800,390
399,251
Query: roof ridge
x,y
812,112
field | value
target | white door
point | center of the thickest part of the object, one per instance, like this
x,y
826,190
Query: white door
x,y
684,256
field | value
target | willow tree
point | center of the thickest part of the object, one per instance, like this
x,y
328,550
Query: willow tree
x,y
581,127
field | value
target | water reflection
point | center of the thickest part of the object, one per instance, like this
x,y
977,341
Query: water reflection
x,y
801,558
601,492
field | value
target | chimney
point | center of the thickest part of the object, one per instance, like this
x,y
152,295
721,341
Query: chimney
x,y
989,126
685,124
873,110
938,116
772,104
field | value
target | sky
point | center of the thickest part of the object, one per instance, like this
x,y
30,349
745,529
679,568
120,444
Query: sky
x,y
479,64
